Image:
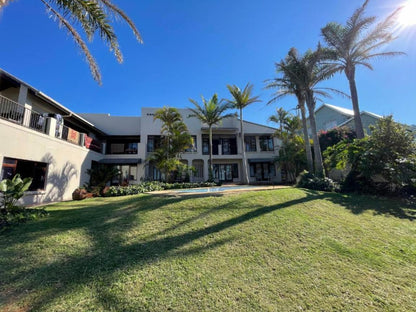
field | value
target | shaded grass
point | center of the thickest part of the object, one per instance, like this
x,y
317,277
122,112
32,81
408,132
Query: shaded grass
x,y
279,250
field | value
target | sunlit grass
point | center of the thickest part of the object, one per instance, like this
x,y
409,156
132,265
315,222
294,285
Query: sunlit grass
x,y
279,250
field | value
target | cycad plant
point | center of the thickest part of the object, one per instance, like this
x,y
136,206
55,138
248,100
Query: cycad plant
x,y
94,16
357,43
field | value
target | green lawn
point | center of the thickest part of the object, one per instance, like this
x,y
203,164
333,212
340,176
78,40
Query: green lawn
x,y
278,250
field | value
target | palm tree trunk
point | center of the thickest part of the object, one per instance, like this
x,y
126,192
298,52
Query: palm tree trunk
x,y
245,171
210,175
308,150
359,129
319,168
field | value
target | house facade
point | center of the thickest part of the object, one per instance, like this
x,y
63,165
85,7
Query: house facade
x,y
42,139
329,116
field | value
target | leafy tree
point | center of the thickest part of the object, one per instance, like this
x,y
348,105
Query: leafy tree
x,y
175,139
292,156
335,135
94,16
356,43
211,112
240,100
12,190
307,71
387,158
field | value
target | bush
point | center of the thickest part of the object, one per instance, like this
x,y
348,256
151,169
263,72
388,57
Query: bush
x,y
151,186
334,136
20,215
310,181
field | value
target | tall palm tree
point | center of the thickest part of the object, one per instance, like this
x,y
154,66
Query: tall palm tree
x,y
211,112
280,118
307,72
94,16
356,43
285,87
240,100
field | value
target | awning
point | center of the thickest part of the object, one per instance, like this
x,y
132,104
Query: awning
x,y
261,160
121,161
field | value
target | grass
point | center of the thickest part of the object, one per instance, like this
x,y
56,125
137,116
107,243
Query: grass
x,y
278,250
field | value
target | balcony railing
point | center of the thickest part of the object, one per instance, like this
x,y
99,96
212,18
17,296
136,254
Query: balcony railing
x,y
17,113
14,112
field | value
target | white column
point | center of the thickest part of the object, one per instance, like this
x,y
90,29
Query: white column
x,y
22,100
51,126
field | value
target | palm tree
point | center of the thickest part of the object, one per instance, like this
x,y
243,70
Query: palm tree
x,y
211,112
94,16
285,86
240,100
281,117
355,45
306,72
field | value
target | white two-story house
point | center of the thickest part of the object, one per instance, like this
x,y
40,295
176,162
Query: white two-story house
x,y
42,139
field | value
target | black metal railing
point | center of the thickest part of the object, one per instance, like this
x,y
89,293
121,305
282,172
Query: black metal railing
x,y
14,112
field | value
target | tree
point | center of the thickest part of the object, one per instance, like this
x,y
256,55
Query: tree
x,y
356,43
211,112
306,72
291,157
286,86
240,100
175,140
94,16
383,162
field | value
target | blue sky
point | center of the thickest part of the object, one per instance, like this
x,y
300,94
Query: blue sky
x,y
193,48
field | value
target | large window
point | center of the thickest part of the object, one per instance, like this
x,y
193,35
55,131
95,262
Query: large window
x,y
153,143
27,169
225,145
225,172
193,147
262,171
128,174
122,146
266,143
250,143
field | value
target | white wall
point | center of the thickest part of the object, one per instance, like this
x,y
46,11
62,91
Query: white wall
x,y
67,162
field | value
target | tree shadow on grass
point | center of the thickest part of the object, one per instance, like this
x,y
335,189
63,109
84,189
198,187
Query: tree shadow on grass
x,y
109,253
357,204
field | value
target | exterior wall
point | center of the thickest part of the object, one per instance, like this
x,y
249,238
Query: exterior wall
x,y
229,126
366,119
326,116
67,162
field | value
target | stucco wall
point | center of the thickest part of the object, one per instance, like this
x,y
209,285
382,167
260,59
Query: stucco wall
x,y
67,162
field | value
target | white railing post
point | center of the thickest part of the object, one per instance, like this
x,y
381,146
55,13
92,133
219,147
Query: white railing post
x,y
51,126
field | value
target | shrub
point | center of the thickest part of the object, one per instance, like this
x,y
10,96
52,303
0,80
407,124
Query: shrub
x,y
334,136
151,186
12,190
310,181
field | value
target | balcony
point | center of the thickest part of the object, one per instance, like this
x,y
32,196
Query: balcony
x,y
45,123
16,113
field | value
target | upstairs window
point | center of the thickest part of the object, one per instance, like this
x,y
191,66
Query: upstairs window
x,y
153,143
266,143
250,143
193,147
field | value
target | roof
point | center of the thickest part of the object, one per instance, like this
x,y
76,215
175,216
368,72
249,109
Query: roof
x,y
115,125
344,111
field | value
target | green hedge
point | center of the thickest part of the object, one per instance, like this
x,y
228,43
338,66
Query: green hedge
x,y
152,186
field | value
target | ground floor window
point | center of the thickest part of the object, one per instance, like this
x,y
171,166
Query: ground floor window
x,y
128,173
27,169
262,171
225,172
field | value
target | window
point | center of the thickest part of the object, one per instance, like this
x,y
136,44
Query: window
x,y
250,143
127,173
193,147
122,146
153,143
266,143
226,172
26,169
262,171
205,145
